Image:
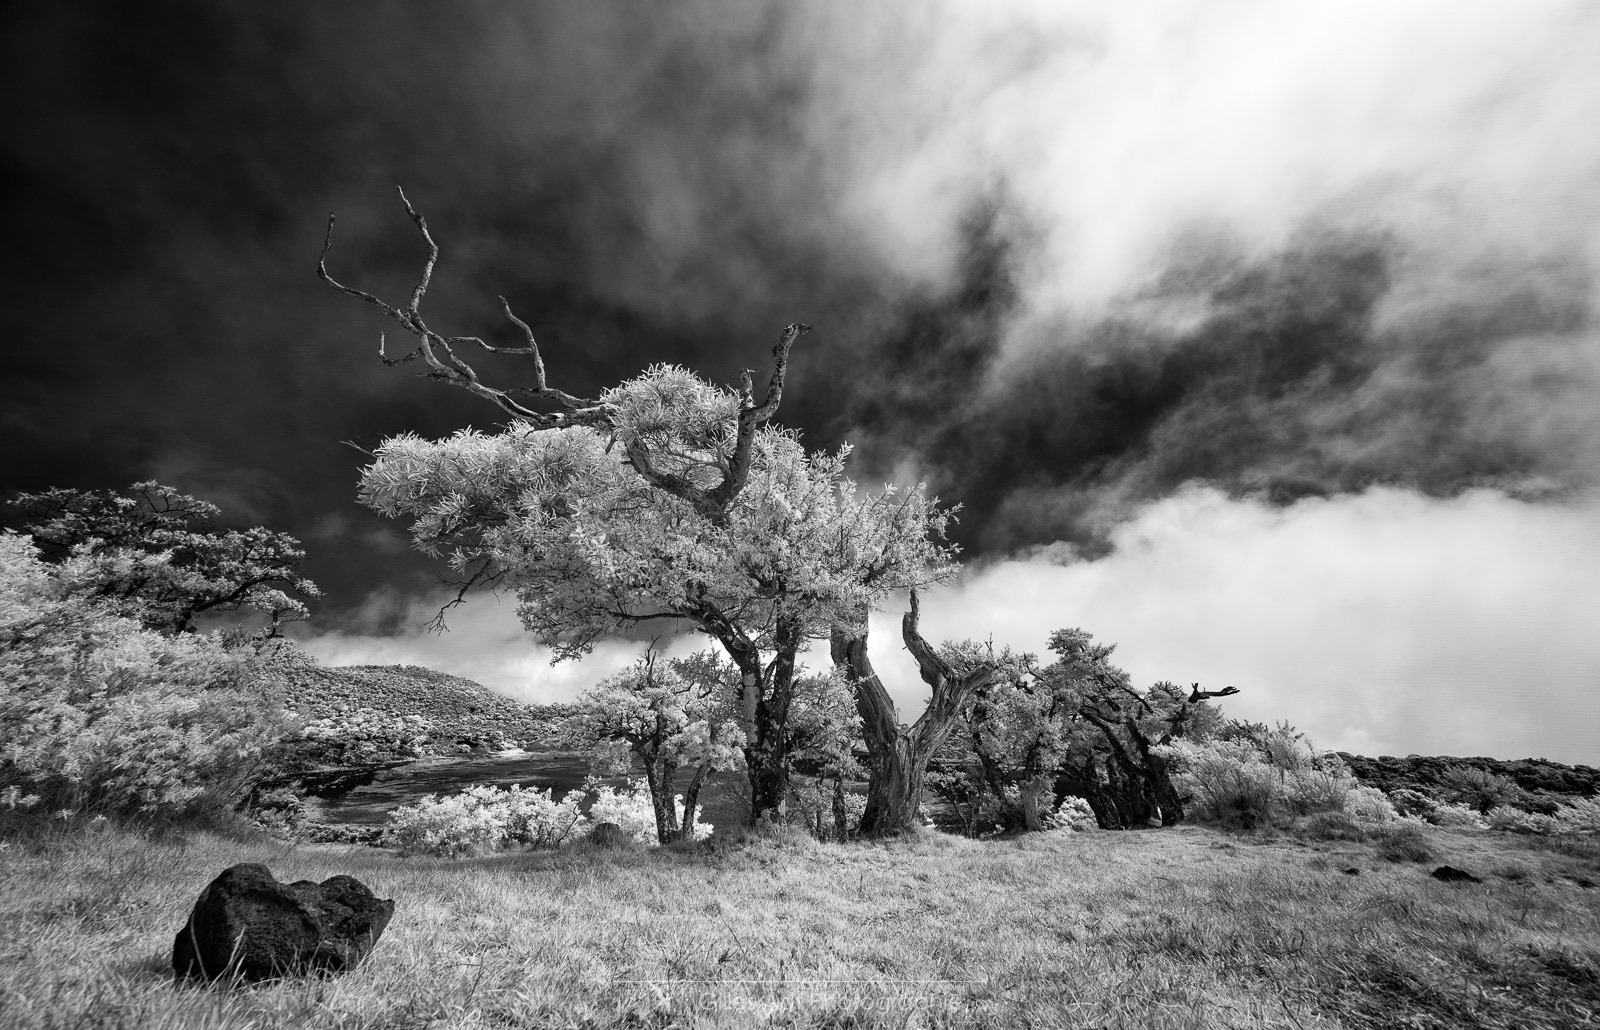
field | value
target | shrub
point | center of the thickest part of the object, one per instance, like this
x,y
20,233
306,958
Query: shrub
x,y
632,810
100,713
1369,805
1227,780
1454,815
1580,815
1478,788
483,819
1412,802
1404,841
1514,820
1072,814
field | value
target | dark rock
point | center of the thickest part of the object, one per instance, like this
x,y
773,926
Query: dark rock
x,y
1450,874
246,923
609,835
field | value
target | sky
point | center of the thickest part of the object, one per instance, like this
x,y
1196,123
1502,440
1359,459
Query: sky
x,y
1257,338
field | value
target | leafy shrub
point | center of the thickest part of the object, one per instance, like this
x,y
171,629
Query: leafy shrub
x,y
632,810
1581,815
1454,815
1412,802
100,713
1072,814
1508,819
483,819
1227,780
1479,789
1369,805
1404,841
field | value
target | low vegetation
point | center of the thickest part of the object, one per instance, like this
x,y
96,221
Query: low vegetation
x,y
1183,927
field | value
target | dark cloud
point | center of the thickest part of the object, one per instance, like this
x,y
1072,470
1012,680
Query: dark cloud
x,y
674,183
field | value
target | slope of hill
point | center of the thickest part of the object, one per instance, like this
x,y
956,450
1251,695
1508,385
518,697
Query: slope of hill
x,y
461,712
1426,773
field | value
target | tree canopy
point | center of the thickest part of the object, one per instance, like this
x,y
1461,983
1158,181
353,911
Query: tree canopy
x,y
150,550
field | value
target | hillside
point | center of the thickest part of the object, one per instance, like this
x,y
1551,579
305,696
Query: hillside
x,y
461,711
1425,773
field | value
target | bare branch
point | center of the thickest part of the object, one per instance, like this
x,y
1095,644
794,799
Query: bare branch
x,y
439,354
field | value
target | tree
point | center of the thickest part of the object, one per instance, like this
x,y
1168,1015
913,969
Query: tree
x,y
667,716
666,497
1075,727
102,714
1124,776
149,552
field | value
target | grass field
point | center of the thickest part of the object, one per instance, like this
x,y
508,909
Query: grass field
x,y
1181,927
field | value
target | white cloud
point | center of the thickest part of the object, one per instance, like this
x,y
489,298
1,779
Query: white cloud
x,y
1384,623
485,643
1466,122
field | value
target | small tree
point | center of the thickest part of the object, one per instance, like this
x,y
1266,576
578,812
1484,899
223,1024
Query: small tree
x,y
1076,727
666,497
666,718
149,551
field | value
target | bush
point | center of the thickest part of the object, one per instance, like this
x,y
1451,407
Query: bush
x,y
484,819
1454,815
1581,815
1369,805
102,714
1412,802
1404,841
633,811
1072,814
1479,789
1514,820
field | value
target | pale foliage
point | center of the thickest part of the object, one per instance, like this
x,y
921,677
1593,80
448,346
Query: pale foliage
x,y
632,809
1279,773
592,547
101,713
482,819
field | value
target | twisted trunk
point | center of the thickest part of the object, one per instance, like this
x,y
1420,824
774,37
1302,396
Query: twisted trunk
x,y
897,756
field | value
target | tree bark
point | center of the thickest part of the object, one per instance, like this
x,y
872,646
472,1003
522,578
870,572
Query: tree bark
x,y
897,756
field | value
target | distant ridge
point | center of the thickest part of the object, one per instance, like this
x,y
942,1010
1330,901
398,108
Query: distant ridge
x,y
1537,776
461,710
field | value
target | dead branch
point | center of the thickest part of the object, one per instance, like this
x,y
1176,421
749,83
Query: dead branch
x,y
438,352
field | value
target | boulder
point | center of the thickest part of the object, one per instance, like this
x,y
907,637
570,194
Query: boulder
x,y
1450,874
249,925
609,835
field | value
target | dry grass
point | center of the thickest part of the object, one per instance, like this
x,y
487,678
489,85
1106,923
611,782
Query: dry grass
x,y
1183,927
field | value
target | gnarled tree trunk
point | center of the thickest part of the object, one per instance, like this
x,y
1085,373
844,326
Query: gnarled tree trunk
x,y
897,756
